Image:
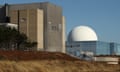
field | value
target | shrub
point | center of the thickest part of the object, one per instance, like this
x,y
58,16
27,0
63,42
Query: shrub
x,y
2,57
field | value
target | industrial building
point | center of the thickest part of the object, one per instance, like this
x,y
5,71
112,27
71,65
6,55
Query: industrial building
x,y
84,40
42,22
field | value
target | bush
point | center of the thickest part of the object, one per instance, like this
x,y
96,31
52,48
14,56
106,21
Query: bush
x,y
2,57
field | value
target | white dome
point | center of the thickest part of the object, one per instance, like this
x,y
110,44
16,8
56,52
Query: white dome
x,y
82,33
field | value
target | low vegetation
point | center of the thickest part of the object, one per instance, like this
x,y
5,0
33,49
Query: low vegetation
x,y
54,66
21,61
12,39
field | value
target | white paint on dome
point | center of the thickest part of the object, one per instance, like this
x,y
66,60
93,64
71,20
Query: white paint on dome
x,y
82,33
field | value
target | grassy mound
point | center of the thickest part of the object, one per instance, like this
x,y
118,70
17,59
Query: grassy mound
x,y
24,61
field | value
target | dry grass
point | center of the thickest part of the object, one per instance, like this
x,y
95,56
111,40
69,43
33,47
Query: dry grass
x,y
20,61
55,66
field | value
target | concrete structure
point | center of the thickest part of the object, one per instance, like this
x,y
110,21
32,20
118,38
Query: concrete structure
x,y
114,48
83,39
41,22
96,47
108,60
82,33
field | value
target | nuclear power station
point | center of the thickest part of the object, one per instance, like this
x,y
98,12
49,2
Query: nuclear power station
x,y
84,40
42,22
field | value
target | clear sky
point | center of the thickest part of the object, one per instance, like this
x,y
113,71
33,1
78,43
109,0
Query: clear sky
x,y
102,15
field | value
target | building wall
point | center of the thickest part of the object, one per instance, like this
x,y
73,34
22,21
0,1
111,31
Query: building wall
x,y
2,14
40,28
88,46
30,23
115,48
52,33
25,6
52,21
73,48
103,48
63,35
14,16
96,47
23,21
52,24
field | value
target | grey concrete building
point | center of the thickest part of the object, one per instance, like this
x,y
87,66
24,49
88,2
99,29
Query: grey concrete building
x,y
43,23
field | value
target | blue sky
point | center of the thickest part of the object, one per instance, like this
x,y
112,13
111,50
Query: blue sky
x,y
102,15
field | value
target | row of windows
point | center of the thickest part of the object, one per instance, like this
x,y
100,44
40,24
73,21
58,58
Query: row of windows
x,y
52,27
99,48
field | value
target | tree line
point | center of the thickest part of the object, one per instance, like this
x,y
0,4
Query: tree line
x,y
12,39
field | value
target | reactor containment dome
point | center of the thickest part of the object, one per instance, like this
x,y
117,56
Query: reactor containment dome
x,y
82,33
